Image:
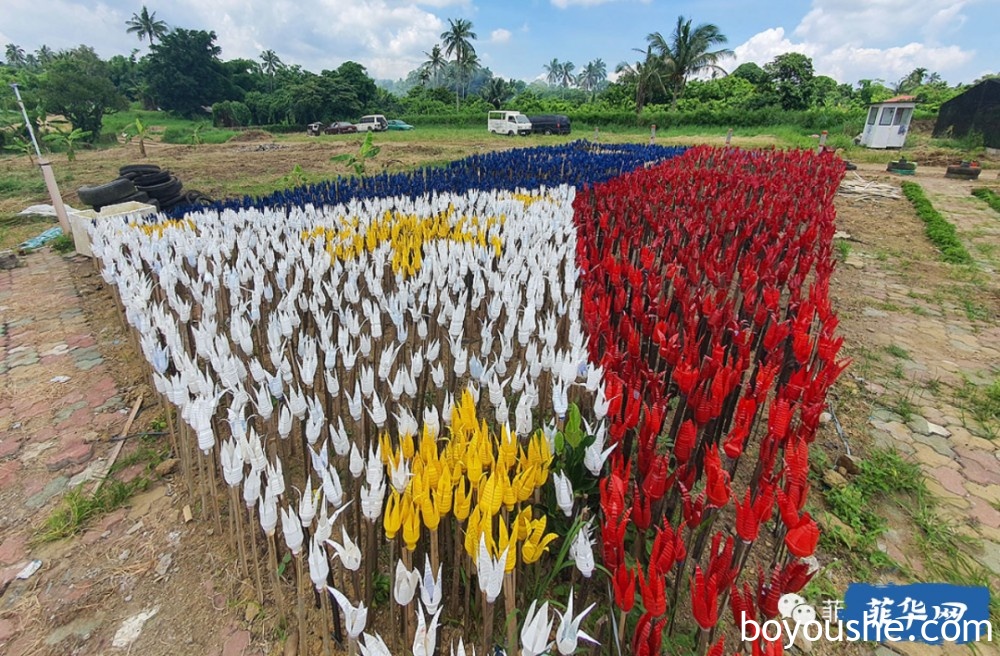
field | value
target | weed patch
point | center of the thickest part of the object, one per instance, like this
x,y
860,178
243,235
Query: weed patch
x,y
989,196
78,507
983,404
941,233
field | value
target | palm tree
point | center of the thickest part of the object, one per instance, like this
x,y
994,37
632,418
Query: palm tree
x,y
647,73
592,77
553,72
688,52
567,78
45,54
271,65
435,64
144,24
14,55
458,41
496,92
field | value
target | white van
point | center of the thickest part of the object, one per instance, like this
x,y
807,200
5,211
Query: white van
x,y
509,123
372,123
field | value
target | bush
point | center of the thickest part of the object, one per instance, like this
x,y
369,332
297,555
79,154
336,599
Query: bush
x,y
230,114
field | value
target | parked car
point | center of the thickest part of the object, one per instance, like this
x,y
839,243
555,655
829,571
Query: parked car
x,y
550,124
509,123
314,129
340,127
396,124
372,123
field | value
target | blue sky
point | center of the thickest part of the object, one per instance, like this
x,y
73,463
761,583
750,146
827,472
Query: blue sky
x,y
847,39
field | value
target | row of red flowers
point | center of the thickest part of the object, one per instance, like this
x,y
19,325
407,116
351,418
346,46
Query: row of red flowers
x,y
706,298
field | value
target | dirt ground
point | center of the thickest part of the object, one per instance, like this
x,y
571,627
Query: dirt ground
x,y
890,290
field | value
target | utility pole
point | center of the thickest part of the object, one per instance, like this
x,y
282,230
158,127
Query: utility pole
x,y
47,174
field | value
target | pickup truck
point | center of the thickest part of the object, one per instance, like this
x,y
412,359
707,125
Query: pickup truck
x,y
509,123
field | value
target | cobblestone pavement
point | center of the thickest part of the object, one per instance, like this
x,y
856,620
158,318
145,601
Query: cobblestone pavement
x,y
924,336
59,404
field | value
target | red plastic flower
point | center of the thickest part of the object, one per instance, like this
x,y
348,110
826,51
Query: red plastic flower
x,y
704,599
802,539
716,479
623,583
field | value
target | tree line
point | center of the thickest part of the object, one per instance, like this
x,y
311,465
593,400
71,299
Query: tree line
x,y
679,73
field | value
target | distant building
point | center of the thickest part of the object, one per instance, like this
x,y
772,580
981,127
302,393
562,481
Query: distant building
x,y
888,122
976,110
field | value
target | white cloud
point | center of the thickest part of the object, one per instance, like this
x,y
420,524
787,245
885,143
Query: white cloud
x,y
563,4
500,36
851,40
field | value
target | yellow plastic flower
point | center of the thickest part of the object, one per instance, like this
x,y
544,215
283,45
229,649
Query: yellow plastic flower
x,y
522,524
443,492
537,541
491,494
462,503
472,532
406,444
507,540
523,484
429,513
411,525
392,518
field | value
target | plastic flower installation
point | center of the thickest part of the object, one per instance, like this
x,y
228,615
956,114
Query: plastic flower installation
x,y
399,340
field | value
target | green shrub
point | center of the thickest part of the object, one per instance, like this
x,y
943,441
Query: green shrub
x,y
230,114
941,233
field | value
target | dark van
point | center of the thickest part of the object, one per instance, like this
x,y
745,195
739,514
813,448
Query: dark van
x,y
550,124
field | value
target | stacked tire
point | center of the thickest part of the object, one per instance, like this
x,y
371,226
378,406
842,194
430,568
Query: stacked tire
x,y
144,183
158,184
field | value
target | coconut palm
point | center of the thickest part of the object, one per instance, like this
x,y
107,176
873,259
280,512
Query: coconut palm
x,y
688,52
647,73
593,76
45,55
567,78
458,42
144,24
435,64
553,72
14,55
271,65
496,92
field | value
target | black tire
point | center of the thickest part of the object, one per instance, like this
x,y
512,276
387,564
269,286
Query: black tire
x,y
106,194
167,204
150,179
171,187
139,168
139,197
510,133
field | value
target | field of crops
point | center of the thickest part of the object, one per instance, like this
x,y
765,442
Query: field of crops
x,y
559,395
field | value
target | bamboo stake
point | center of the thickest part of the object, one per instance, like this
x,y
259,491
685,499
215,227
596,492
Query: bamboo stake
x,y
256,558
301,610
272,559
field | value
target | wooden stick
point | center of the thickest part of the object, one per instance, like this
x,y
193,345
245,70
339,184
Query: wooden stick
x,y
121,443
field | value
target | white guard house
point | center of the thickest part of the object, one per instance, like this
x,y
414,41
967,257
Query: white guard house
x,y
888,122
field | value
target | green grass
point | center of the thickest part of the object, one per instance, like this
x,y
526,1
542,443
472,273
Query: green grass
x,y
898,351
982,402
78,506
903,407
989,196
940,232
62,244
12,185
